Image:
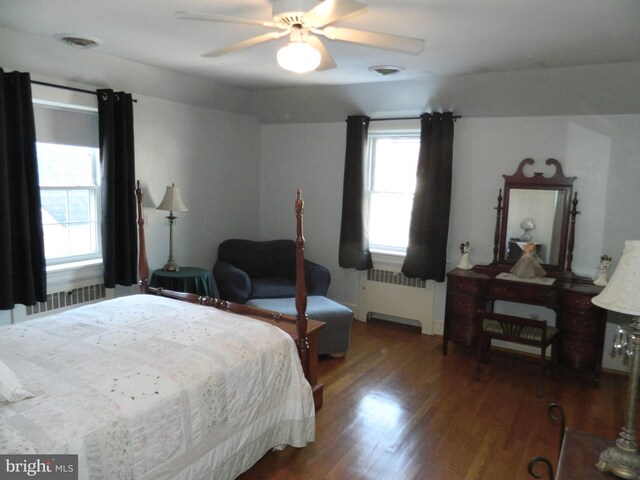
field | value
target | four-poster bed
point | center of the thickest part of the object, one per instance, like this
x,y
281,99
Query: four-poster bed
x,y
161,386
302,330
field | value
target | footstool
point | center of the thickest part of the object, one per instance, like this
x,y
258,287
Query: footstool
x,y
335,336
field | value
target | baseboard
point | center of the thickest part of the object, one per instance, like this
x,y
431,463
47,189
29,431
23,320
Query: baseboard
x,y
438,328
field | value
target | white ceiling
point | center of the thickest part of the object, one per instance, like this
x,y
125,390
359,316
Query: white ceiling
x,y
461,36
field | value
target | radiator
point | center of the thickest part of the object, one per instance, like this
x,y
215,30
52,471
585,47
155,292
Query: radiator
x,y
64,298
386,293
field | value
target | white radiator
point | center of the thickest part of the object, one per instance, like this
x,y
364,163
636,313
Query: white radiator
x,y
64,298
387,293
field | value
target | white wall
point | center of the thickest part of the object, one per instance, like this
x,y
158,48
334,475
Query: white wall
x,y
602,151
47,57
209,151
311,157
581,90
195,133
214,158
239,176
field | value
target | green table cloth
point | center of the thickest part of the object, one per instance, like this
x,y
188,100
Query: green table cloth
x,y
187,279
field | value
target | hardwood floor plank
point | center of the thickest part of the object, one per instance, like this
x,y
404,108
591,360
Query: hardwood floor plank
x,y
395,408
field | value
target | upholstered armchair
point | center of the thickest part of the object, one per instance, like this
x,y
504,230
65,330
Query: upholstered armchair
x,y
248,269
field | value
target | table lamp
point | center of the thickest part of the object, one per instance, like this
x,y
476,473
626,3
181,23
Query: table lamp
x,y
172,202
622,294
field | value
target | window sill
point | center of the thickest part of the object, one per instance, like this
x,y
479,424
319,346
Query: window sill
x,y
386,260
69,273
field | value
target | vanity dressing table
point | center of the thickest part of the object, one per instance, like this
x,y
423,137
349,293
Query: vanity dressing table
x,y
471,292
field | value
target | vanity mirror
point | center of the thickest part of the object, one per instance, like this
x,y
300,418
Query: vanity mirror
x,y
537,209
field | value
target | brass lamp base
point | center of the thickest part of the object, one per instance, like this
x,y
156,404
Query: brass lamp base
x,y
622,460
171,266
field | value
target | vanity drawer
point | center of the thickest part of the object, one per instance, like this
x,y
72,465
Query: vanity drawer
x,y
463,330
575,301
577,353
460,303
581,324
467,285
523,293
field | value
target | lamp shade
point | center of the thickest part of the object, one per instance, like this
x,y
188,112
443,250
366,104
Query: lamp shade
x,y
299,57
172,201
622,293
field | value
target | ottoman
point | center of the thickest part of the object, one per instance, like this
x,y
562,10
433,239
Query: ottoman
x,y
335,336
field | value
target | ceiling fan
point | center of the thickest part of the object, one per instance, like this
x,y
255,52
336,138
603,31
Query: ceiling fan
x,y
299,19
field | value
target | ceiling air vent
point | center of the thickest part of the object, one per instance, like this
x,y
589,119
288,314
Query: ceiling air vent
x,y
78,42
386,70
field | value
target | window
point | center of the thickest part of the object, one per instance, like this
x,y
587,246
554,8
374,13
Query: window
x,y
393,161
69,191
68,167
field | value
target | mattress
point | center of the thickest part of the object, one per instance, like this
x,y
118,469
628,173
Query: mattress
x,y
146,387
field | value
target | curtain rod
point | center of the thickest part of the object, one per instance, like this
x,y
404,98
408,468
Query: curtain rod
x,y
64,87
455,117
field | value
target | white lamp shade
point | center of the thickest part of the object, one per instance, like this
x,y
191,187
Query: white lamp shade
x,y
172,201
299,57
622,293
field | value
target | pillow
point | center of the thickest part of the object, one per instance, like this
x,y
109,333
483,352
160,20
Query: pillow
x,y
10,388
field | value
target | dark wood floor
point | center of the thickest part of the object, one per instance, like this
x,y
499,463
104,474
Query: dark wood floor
x,y
396,408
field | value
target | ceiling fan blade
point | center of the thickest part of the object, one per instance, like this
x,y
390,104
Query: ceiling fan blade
x,y
327,62
331,11
381,40
210,17
250,42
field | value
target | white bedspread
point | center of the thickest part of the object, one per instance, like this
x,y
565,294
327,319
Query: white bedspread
x,y
147,387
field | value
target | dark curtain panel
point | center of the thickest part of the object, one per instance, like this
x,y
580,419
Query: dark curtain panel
x,y
23,275
429,229
354,236
119,240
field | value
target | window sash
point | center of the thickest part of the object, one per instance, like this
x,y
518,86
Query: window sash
x,y
72,233
384,238
71,239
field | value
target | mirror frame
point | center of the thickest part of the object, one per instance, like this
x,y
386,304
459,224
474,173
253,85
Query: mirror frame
x,y
538,182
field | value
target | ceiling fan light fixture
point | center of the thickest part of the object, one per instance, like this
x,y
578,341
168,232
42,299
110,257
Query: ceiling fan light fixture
x,y
299,57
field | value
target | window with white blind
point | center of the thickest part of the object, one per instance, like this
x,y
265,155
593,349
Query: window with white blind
x,y
393,160
68,167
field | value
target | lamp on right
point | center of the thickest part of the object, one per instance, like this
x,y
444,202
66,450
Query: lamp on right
x,y
622,294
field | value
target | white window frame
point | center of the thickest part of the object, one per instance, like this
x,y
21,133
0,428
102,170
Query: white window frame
x,y
79,270
384,256
95,200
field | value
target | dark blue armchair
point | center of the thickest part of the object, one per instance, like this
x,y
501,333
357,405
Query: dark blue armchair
x,y
248,269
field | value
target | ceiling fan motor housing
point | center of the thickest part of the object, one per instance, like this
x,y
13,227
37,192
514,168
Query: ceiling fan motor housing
x,y
290,12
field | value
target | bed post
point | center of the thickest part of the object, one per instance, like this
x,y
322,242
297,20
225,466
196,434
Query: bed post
x,y
143,266
306,341
301,290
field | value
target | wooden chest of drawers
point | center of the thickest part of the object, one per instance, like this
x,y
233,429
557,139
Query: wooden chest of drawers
x,y
582,324
466,296
583,328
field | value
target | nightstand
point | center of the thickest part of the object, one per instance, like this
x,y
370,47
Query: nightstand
x,y
187,279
